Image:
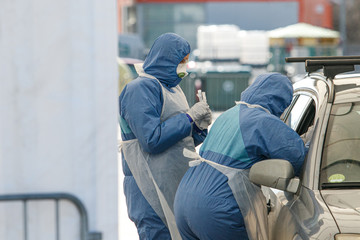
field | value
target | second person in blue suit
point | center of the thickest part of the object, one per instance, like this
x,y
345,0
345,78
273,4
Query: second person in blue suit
x,y
215,199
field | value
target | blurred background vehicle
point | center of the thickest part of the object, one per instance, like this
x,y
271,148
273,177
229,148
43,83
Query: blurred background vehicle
x,y
130,62
127,71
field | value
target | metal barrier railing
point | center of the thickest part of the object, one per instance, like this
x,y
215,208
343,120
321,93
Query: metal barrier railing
x,y
84,229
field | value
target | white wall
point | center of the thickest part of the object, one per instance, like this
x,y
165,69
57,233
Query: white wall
x,y
58,107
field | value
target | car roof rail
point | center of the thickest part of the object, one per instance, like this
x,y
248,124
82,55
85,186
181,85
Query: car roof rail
x,y
331,65
303,59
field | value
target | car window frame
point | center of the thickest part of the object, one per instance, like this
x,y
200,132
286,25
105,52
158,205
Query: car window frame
x,y
311,102
325,134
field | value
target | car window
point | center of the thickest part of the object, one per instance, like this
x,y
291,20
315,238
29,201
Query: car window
x,y
340,165
300,114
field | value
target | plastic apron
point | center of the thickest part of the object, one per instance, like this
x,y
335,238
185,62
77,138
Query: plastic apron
x,y
249,197
158,175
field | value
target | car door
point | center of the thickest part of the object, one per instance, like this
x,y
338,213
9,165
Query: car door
x,y
283,224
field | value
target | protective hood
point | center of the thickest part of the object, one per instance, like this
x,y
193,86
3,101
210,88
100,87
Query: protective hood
x,y
165,55
272,91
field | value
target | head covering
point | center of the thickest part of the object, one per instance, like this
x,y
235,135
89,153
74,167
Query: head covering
x,y
272,91
165,55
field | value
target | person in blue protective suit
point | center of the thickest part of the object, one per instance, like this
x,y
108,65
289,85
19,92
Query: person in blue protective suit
x,y
156,126
215,199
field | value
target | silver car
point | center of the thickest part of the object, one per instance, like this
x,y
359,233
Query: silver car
x,y
324,201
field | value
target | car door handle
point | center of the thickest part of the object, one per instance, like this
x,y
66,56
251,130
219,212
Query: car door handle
x,y
268,205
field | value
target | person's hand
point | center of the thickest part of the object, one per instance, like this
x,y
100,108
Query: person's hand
x,y
205,122
306,137
200,113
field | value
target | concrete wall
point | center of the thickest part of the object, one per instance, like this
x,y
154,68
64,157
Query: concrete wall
x,y
58,111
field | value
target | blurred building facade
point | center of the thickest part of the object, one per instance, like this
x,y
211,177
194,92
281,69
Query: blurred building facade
x,y
150,18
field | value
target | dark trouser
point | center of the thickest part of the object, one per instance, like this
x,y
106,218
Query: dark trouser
x,y
205,207
148,223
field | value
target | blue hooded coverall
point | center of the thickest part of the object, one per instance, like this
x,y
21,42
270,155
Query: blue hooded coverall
x,y
140,106
205,207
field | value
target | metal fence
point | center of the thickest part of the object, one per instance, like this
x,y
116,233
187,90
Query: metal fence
x,y
57,198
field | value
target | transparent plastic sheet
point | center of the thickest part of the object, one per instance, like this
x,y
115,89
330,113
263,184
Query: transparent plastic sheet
x,y
251,201
134,158
248,196
159,175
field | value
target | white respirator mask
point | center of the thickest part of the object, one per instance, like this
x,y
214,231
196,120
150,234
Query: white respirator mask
x,y
181,70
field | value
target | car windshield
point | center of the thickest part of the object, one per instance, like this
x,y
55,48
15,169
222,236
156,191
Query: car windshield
x,y
341,154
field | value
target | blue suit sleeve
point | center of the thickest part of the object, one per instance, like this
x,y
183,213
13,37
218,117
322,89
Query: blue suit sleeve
x,y
270,138
141,105
198,135
280,141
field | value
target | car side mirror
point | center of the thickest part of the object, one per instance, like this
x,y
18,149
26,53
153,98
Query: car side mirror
x,y
275,173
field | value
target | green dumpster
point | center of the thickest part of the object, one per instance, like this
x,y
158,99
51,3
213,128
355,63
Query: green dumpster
x,y
223,85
